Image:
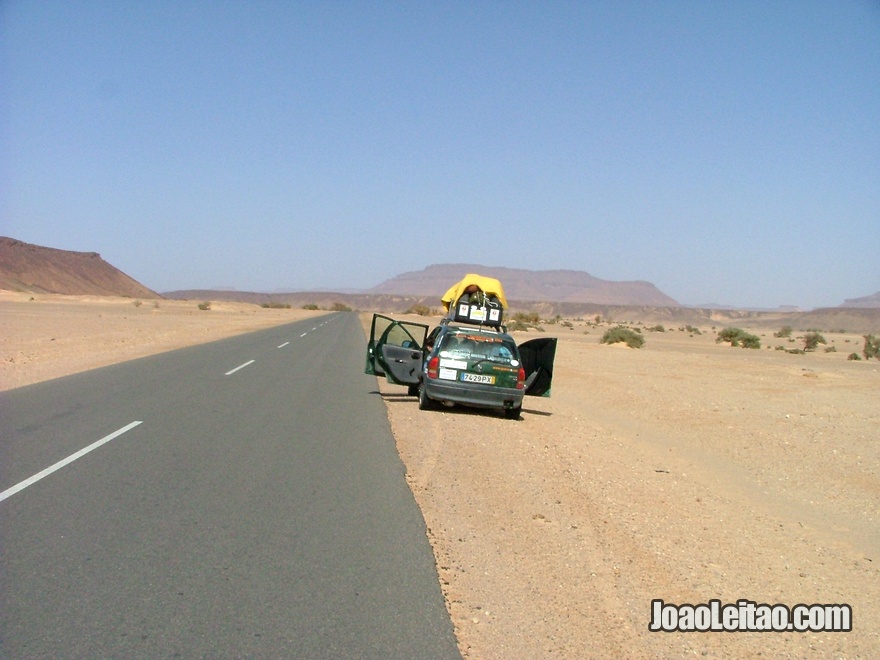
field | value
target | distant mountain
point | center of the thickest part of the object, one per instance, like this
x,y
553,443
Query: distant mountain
x,y
780,308
872,301
564,286
830,319
37,269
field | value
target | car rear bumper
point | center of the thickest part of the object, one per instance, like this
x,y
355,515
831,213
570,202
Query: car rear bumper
x,y
472,394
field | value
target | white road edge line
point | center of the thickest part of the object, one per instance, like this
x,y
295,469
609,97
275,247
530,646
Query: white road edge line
x,y
304,334
284,344
60,464
241,366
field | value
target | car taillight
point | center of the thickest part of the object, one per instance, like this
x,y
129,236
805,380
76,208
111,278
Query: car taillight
x,y
521,379
434,366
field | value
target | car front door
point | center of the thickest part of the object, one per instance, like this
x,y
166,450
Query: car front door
x,y
537,357
395,350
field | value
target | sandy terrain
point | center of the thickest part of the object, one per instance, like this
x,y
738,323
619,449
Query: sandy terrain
x,y
44,336
686,470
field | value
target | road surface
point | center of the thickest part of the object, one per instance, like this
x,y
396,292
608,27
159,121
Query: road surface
x,y
239,498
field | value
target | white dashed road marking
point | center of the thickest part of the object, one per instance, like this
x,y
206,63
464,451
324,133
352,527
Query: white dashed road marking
x,y
60,464
241,366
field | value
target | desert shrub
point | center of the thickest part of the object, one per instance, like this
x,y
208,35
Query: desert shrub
x,y
524,321
567,324
137,303
420,310
729,334
739,337
831,349
275,305
529,318
657,328
205,306
853,356
625,335
784,332
693,330
872,347
339,307
812,340
310,306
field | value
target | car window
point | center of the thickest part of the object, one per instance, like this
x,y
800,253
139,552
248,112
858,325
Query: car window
x,y
398,335
495,348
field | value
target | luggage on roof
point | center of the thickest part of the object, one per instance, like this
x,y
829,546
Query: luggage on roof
x,y
476,299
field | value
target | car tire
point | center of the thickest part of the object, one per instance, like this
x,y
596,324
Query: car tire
x,y
512,413
425,402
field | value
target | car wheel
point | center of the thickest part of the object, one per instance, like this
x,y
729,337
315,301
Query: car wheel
x,y
512,413
425,402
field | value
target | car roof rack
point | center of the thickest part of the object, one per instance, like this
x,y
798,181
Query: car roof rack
x,y
501,329
477,309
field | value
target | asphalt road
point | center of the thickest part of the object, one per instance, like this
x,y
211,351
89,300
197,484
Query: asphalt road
x,y
258,509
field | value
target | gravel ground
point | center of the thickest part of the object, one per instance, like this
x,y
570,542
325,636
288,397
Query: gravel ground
x,y
685,471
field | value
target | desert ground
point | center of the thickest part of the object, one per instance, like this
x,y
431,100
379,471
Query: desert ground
x,y
45,336
686,470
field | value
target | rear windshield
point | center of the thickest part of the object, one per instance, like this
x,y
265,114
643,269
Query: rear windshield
x,y
465,344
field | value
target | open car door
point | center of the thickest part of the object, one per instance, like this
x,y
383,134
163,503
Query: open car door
x,y
537,357
395,350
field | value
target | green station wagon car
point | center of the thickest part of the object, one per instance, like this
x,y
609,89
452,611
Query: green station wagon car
x,y
460,364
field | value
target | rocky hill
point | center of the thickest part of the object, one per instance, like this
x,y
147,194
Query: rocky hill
x,y
563,286
32,268
37,269
872,301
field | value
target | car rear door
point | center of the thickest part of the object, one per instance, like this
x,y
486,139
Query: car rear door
x,y
537,357
395,350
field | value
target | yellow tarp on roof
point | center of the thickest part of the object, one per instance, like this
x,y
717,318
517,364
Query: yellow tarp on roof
x,y
488,285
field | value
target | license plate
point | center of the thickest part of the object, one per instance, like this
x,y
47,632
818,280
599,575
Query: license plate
x,y
478,378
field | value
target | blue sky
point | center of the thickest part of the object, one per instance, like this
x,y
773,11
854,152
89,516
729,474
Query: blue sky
x,y
726,151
